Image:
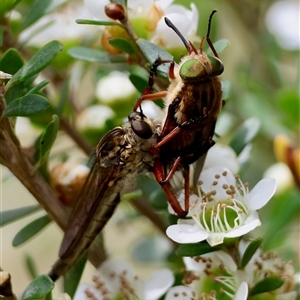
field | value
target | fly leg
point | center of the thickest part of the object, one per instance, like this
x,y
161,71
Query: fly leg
x,y
147,95
159,173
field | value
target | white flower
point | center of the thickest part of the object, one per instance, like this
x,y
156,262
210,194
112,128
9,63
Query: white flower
x,y
204,275
280,18
94,116
59,25
115,86
147,18
224,209
165,37
222,155
265,265
181,292
117,279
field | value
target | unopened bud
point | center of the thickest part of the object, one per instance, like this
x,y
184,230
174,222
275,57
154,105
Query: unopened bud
x,y
67,180
115,11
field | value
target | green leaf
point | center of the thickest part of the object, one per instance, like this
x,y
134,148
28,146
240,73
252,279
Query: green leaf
x,y
139,78
9,56
26,106
47,140
195,249
38,9
39,61
123,45
133,195
31,267
12,215
38,87
100,23
73,276
92,55
38,288
30,230
151,52
250,250
267,285
245,134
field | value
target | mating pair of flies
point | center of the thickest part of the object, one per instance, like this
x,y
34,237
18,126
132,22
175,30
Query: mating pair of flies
x,y
193,102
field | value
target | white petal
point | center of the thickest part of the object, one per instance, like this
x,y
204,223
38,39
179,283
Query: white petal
x,y
208,177
215,238
81,295
164,4
261,193
222,156
193,265
185,234
242,230
107,92
180,292
242,292
158,284
96,9
94,116
228,261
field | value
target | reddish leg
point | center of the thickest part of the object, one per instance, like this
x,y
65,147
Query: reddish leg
x,y
160,175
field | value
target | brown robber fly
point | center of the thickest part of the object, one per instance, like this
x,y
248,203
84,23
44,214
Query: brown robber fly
x,y
193,102
120,155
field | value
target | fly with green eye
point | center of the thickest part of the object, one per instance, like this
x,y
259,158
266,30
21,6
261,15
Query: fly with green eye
x,y
193,102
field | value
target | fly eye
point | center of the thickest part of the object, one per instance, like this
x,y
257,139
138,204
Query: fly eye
x,y
192,69
142,129
216,65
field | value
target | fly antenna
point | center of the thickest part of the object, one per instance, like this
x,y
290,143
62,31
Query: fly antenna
x,y
188,45
209,42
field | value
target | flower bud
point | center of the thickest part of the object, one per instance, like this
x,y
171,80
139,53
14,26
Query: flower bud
x,y
115,11
67,180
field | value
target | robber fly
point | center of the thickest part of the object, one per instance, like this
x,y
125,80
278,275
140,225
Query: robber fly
x,y
120,155
193,102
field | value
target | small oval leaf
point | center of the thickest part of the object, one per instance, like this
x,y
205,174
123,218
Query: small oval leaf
x,y
39,61
6,59
245,134
39,9
12,215
92,55
123,45
26,106
38,288
30,230
151,52
250,250
100,23
266,285
49,135
195,249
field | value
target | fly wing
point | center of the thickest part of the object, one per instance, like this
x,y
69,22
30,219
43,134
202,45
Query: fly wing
x,y
96,185
98,198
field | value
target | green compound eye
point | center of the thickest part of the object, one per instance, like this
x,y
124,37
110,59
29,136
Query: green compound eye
x,y
216,65
192,69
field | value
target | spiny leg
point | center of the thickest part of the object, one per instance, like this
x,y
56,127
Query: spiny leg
x,y
160,175
147,95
